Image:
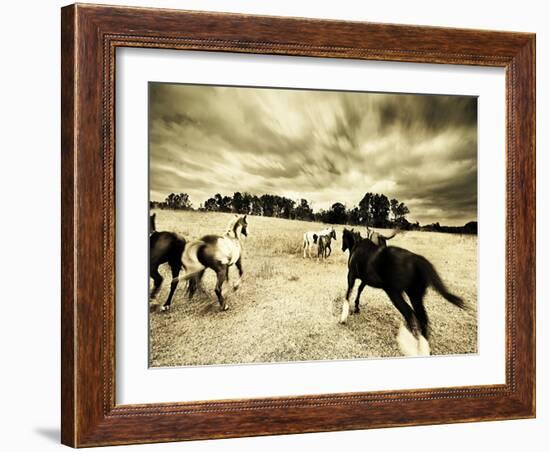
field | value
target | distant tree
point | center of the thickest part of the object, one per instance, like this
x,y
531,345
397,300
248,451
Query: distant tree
x,y
268,205
286,207
247,203
403,223
256,206
210,205
223,203
365,209
238,204
337,214
394,204
354,216
470,227
380,208
321,216
399,213
178,201
303,211
402,211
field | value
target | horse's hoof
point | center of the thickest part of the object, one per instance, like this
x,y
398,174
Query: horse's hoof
x,y
356,311
225,307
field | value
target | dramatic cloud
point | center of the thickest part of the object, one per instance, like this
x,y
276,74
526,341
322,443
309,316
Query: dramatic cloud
x,y
324,146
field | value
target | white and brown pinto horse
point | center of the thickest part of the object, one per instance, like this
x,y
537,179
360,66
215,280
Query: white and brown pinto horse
x,y
218,252
311,238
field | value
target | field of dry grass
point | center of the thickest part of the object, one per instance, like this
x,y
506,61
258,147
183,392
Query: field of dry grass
x,y
287,308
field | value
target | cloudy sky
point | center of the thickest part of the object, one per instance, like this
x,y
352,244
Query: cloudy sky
x,y
324,146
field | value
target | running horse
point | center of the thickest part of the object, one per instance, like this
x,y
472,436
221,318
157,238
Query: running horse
x,y
218,252
164,247
396,271
311,238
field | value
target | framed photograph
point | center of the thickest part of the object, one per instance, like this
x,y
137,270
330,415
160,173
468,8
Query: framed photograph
x,y
281,225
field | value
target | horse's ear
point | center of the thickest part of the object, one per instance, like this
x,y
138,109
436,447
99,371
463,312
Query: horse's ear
x,y
244,216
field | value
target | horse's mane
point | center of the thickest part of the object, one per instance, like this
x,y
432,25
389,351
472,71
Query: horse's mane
x,y
356,236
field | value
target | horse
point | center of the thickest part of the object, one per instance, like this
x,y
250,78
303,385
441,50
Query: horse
x,y
377,238
164,247
323,245
310,239
395,271
218,252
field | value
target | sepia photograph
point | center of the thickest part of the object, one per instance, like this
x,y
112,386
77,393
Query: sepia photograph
x,y
292,225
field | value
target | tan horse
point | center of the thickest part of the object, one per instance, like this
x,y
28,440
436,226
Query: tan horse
x,y
377,238
218,252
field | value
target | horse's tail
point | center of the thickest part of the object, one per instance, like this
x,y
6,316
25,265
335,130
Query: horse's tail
x,y
190,260
389,237
433,278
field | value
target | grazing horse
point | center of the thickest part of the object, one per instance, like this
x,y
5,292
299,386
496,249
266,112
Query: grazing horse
x,y
310,239
395,271
218,252
377,238
164,247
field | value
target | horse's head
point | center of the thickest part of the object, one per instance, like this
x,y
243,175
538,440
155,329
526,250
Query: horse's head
x,y
347,240
237,222
332,233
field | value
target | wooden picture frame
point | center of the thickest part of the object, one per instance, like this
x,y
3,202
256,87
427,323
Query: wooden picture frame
x,y
90,36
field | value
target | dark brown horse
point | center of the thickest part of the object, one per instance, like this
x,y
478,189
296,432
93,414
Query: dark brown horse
x,y
396,271
164,247
323,244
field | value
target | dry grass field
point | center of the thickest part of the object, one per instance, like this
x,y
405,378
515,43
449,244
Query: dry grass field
x,y
287,308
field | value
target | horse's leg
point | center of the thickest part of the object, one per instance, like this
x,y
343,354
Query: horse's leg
x,y
157,281
221,272
176,268
345,306
239,266
328,250
406,311
416,295
361,287
194,284
304,248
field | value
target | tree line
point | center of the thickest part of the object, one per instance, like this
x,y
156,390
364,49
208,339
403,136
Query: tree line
x,y
374,209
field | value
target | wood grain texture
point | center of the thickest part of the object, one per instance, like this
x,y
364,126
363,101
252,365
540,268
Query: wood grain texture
x,y
90,36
